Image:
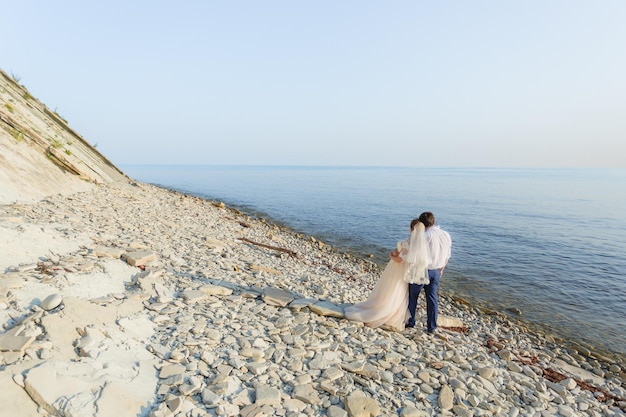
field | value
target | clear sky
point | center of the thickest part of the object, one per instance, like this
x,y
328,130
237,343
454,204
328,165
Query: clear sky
x,y
534,83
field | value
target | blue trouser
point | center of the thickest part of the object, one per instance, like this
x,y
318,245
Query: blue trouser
x,y
432,303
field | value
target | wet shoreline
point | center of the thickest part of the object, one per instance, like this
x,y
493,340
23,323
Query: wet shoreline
x,y
451,290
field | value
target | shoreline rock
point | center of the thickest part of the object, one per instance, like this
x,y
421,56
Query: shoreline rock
x,y
174,305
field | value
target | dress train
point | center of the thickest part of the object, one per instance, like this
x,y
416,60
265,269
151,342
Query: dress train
x,y
387,304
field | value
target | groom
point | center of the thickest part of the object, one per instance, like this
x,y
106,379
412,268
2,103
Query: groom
x,y
439,249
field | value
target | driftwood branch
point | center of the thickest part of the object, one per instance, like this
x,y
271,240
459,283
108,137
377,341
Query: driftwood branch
x,y
290,252
556,377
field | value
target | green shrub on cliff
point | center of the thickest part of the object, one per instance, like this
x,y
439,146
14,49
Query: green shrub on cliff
x,y
18,135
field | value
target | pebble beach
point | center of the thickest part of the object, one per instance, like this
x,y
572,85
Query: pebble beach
x,y
134,300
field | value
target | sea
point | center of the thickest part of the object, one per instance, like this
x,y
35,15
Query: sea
x,y
543,246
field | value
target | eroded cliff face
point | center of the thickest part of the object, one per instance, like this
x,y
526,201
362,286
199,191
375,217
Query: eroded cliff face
x,y
40,155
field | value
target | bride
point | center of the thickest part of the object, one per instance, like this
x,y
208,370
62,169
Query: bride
x,y
387,304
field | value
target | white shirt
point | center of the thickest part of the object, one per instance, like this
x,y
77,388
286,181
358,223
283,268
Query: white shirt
x,y
439,247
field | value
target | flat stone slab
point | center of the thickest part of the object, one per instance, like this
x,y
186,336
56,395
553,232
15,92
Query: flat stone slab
x,y
139,257
14,343
108,252
171,369
326,308
211,289
579,373
361,406
276,297
446,321
266,395
301,303
192,296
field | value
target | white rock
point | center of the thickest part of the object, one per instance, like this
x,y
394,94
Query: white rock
x,y
51,302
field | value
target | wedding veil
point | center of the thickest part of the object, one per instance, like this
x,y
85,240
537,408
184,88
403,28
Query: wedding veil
x,y
417,258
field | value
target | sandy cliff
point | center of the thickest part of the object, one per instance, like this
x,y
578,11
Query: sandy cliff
x,y
40,154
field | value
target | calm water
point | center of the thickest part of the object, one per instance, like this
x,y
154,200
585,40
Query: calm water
x,y
551,243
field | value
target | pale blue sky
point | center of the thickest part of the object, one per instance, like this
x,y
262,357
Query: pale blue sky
x,y
381,83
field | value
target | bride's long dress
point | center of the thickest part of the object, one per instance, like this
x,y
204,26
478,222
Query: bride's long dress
x,y
387,304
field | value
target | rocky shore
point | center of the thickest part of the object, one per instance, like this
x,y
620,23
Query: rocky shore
x,y
131,300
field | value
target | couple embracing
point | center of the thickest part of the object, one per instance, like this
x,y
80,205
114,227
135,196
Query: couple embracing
x,y
417,262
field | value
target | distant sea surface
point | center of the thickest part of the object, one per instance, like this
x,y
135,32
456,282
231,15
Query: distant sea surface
x,y
550,244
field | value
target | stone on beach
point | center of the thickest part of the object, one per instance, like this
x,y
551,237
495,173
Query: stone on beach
x,y
446,398
139,257
326,308
15,340
211,289
359,405
194,296
51,302
277,297
105,251
446,321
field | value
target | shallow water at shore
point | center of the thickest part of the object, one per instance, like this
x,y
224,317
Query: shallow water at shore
x,y
548,244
